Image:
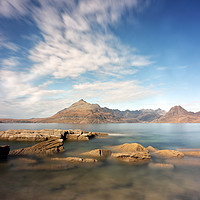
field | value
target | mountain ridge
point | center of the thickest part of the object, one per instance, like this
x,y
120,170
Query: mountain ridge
x,y
82,112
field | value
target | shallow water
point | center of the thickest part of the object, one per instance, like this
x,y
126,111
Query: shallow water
x,y
107,180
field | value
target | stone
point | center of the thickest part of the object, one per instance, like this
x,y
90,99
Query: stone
x,y
169,154
76,160
98,153
72,137
130,147
161,166
151,149
192,153
83,137
4,151
132,157
48,147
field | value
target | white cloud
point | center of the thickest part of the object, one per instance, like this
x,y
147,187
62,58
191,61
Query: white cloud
x,y
4,43
75,40
82,33
113,92
13,8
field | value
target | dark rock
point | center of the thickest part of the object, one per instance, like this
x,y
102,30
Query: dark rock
x,y
4,151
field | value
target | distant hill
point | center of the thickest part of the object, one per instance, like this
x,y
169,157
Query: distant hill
x,y
177,114
82,112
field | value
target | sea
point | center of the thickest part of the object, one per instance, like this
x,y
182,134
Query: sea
x,y
108,179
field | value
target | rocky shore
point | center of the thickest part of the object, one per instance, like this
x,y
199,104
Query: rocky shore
x,y
50,142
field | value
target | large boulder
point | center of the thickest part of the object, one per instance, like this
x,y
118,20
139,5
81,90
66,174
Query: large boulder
x,y
169,154
130,147
43,148
98,153
4,151
135,157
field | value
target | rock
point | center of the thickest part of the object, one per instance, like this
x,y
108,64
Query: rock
x,y
4,151
192,153
76,160
161,166
44,134
130,147
83,137
43,148
132,157
151,149
169,154
98,153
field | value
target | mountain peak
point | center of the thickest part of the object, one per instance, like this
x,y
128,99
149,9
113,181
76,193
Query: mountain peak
x,y
178,110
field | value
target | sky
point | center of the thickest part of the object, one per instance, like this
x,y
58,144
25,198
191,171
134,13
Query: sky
x,y
122,54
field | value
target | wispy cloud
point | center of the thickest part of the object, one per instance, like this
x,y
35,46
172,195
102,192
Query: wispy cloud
x,y
13,8
75,39
113,92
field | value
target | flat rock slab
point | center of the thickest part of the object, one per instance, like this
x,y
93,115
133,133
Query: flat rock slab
x,y
169,154
50,146
103,153
130,147
132,157
192,153
161,166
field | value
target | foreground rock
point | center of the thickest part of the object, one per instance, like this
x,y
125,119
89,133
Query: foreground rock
x,y
103,153
136,157
76,160
4,151
130,147
44,134
169,154
161,166
48,147
132,153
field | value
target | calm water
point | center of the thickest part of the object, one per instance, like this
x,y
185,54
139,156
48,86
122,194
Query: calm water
x,y
107,180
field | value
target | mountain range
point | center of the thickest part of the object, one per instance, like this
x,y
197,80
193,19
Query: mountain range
x,y
82,112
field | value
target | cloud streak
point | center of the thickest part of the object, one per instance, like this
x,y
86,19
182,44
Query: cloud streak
x,y
75,39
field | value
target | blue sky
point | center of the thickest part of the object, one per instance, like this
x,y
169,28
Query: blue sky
x,y
125,54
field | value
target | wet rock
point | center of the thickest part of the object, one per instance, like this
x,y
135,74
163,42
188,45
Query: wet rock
x,y
4,151
76,160
132,157
151,149
98,153
192,153
44,134
161,166
50,146
169,154
130,147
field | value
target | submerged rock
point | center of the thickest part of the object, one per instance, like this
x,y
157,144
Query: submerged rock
x,y
4,151
169,154
98,153
161,166
130,147
192,153
43,148
76,160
